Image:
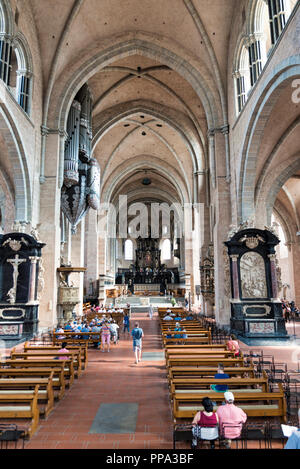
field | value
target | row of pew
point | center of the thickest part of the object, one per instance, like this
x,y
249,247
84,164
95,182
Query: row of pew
x,y
34,378
191,368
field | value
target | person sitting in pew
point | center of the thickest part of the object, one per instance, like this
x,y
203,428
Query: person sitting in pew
x,y
63,350
68,327
85,328
231,419
220,375
205,424
168,317
178,318
189,317
96,338
233,345
60,329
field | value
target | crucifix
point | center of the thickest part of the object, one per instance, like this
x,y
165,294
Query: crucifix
x,y
12,293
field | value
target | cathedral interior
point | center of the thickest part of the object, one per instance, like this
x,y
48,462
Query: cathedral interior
x,y
149,151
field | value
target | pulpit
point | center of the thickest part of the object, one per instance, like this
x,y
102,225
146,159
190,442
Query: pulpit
x,y
21,283
68,295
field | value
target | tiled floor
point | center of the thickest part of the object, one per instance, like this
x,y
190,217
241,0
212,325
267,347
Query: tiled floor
x,y
113,378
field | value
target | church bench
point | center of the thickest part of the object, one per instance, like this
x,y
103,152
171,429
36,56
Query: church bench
x,y
186,351
181,360
195,339
58,381
21,407
254,404
200,346
83,349
198,371
73,360
66,335
67,366
25,385
202,385
190,324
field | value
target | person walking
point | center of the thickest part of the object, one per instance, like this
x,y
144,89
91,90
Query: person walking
x,y
126,323
151,311
105,336
137,335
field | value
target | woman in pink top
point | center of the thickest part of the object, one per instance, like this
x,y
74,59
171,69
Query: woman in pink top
x,y
205,424
63,350
233,345
105,336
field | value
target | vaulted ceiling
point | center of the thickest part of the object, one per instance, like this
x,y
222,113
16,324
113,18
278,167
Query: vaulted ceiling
x,y
156,121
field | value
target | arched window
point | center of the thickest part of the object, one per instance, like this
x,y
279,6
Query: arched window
x,y
242,77
15,59
166,250
128,250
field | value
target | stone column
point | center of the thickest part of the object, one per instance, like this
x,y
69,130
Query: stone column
x,y
235,278
50,195
91,249
296,269
222,203
272,258
77,260
32,281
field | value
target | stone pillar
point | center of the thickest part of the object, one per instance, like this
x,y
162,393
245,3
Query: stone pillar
x,y
77,260
235,278
222,203
32,284
50,194
91,249
272,258
296,265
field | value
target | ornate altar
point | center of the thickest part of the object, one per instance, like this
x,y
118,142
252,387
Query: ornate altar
x,y
147,254
207,276
255,308
21,274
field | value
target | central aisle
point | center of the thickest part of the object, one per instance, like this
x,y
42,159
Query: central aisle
x,y
114,379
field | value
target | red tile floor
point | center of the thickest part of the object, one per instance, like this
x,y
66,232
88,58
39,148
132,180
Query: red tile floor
x,y
114,378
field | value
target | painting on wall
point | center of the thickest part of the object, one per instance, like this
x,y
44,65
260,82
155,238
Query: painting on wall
x,y
253,276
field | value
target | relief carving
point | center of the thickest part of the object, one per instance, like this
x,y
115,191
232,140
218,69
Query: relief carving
x,y
253,276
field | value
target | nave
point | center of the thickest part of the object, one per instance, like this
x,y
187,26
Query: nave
x,y
116,404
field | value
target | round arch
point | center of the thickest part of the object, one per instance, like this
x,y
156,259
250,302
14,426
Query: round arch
x,y
76,74
260,111
18,160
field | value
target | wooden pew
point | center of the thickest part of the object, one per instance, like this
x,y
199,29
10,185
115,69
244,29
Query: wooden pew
x,y
195,351
17,406
198,371
26,385
254,404
202,385
67,335
58,381
67,366
73,362
195,339
201,346
179,360
83,348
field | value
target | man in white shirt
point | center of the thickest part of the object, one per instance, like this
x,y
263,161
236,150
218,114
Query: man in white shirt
x,y
114,329
168,318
